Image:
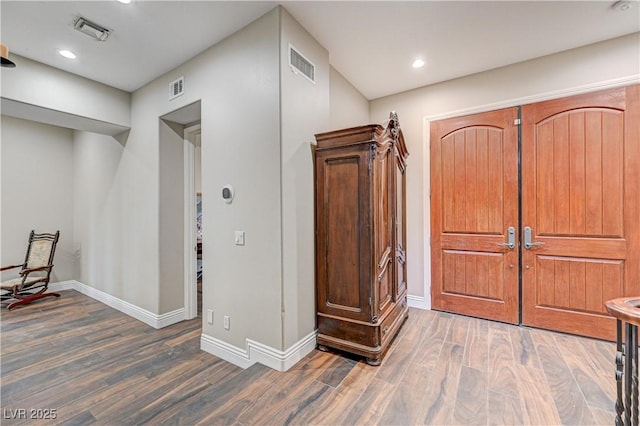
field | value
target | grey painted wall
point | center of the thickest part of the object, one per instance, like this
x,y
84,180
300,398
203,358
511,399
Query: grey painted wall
x,y
171,216
64,95
304,112
37,191
110,217
349,108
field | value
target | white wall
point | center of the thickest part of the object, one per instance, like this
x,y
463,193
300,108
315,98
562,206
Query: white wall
x,y
56,96
600,64
349,108
305,112
37,191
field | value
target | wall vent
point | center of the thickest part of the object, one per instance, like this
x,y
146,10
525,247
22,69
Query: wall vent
x,y
176,88
301,65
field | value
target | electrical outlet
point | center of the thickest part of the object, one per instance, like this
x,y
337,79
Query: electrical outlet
x,y
210,316
226,322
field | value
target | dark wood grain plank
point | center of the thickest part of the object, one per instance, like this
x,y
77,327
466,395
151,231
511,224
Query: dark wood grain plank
x,y
502,366
405,406
538,407
602,417
370,407
593,385
439,400
476,353
82,419
570,403
337,371
335,407
302,408
458,330
298,378
113,369
471,398
429,350
403,350
524,350
504,409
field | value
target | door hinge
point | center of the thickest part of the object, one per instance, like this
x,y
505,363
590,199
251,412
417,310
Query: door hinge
x,y
516,122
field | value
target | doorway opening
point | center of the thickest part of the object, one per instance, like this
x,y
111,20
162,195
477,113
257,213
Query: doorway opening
x,y
180,162
193,220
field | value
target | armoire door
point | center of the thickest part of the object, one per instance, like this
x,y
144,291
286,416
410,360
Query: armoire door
x,y
400,220
580,209
383,199
474,215
343,219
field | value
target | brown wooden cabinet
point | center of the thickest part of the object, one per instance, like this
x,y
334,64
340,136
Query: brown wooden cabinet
x,y
361,289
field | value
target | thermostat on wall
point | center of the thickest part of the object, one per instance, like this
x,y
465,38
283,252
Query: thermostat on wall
x,y
227,194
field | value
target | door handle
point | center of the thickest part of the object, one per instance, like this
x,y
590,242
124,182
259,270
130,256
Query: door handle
x,y
511,238
527,239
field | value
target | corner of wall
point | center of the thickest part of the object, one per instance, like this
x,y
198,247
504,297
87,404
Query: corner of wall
x,y
256,352
305,110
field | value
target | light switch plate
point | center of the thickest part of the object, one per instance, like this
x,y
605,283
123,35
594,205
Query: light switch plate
x,y
239,238
226,322
210,316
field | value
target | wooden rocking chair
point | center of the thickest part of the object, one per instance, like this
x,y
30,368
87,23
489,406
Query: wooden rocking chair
x,y
35,274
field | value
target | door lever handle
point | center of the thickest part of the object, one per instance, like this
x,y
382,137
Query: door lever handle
x,y
527,239
511,238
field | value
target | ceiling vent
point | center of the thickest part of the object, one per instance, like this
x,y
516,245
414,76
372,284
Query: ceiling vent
x,y
91,29
301,65
176,88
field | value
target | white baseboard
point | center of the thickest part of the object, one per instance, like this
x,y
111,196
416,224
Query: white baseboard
x,y
244,358
63,285
419,302
258,352
149,318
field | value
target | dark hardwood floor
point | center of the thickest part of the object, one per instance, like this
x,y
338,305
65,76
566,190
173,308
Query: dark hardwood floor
x,y
95,365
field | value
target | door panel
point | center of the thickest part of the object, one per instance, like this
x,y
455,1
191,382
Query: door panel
x,y
474,201
580,186
473,273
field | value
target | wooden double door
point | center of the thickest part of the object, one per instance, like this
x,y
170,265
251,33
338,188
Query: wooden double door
x,y
535,211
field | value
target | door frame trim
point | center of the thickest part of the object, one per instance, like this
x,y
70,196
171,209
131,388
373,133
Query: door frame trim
x,y
509,103
190,285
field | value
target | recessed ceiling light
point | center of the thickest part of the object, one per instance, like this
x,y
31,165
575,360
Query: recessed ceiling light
x,y
418,63
125,1
67,54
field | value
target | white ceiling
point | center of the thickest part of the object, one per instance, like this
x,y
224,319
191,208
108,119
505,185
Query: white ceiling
x,y
371,43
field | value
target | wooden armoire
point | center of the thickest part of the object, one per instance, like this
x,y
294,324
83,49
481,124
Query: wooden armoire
x,y
360,191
